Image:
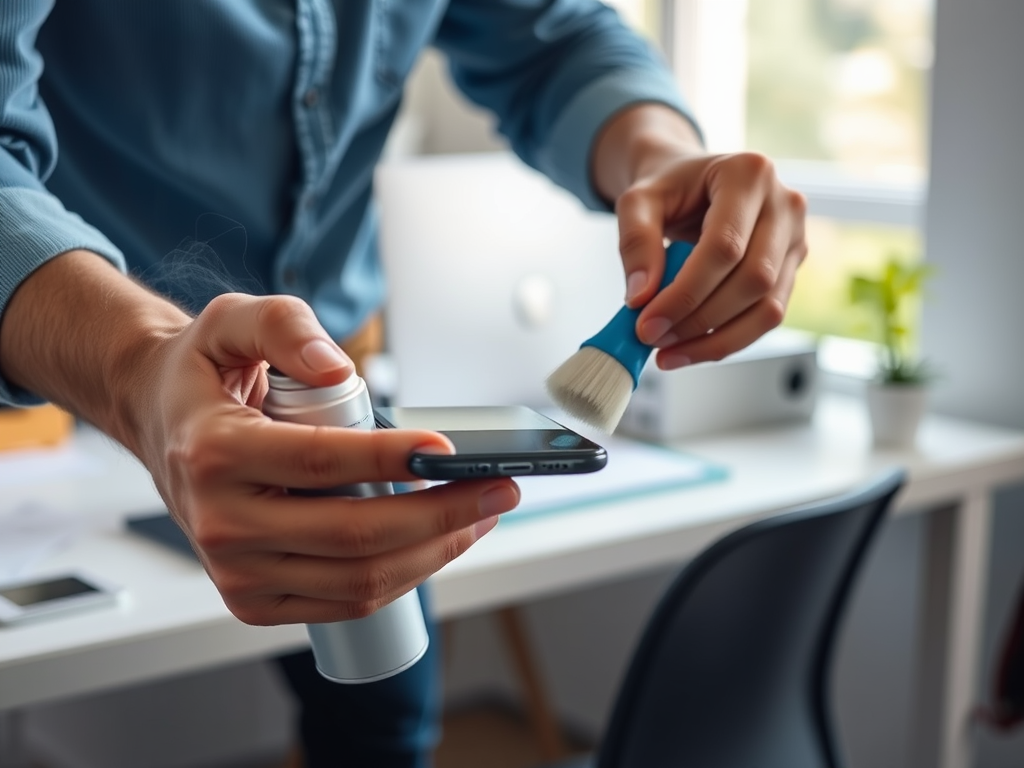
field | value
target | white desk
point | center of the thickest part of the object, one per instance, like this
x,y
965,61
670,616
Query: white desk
x,y
172,620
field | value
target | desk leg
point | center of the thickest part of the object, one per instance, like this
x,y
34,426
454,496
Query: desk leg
x,y
950,627
545,724
12,739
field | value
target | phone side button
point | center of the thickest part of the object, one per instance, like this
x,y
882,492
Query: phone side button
x,y
515,468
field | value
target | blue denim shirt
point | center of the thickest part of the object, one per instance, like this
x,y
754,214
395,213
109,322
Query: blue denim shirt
x,y
249,129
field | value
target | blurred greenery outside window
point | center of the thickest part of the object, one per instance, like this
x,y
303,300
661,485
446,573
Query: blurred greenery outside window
x,y
829,89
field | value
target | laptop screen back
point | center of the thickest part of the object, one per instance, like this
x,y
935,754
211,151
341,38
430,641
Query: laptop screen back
x,y
495,277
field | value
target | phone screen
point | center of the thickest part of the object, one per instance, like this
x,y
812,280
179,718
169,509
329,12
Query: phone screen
x,y
496,441
26,595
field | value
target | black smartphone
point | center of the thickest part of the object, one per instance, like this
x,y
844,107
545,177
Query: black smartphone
x,y
495,441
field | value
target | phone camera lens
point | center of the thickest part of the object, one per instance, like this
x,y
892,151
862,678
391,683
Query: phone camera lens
x,y
565,441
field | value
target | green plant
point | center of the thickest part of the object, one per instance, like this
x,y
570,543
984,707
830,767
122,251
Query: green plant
x,y
888,296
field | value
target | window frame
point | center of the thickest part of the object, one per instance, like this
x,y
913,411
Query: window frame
x,y
831,192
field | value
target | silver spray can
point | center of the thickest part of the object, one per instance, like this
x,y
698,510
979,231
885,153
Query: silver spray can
x,y
395,637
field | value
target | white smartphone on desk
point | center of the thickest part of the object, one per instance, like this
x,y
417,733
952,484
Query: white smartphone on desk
x,y
53,596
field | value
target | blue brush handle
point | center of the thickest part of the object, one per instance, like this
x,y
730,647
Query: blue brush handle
x,y
618,338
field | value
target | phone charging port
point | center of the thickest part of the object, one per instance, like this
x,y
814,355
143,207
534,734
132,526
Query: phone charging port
x,y
515,468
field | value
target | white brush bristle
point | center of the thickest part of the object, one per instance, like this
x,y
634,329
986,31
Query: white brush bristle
x,y
592,386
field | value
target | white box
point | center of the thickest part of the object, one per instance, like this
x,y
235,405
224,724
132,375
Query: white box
x,y
774,380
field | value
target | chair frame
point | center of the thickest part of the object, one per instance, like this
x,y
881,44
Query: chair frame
x,y
878,492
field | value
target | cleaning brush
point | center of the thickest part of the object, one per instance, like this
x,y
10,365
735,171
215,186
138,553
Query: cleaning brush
x,y
595,384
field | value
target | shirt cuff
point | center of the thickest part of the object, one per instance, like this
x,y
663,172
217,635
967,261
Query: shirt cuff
x,y
566,158
34,228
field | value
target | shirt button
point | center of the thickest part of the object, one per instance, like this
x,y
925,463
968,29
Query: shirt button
x,y
289,276
311,97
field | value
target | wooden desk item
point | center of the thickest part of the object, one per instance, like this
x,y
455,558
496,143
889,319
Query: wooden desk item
x,y
39,427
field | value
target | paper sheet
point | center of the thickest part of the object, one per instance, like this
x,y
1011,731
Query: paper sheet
x,y
30,533
35,467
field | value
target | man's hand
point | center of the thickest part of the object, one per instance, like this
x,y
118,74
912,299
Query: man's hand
x,y
222,466
748,231
185,394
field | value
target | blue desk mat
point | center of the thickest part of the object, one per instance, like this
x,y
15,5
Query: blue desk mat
x,y
634,469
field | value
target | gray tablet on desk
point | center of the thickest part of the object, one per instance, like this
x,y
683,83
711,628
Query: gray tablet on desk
x,y
161,528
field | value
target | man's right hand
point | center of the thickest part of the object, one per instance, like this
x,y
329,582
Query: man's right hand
x,y
185,394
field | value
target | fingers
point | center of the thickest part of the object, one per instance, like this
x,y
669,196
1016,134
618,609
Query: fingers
x,y
363,551
738,187
350,527
236,330
753,279
739,276
315,590
373,578
286,559
359,553
741,331
286,455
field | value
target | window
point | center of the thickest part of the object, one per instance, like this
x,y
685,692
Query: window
x,y
835,91
841,81
843,248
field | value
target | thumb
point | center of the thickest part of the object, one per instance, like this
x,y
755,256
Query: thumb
x,y
237,330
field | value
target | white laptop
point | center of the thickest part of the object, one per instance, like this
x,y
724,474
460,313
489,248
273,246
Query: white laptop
x,y
495,277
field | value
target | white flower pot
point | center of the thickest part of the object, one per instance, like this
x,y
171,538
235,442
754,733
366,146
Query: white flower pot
x,y
896,411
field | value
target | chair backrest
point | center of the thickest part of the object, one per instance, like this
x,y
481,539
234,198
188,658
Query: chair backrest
x,y
733,668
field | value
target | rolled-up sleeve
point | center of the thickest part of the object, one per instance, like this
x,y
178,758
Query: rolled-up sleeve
x,y
553,71
34,225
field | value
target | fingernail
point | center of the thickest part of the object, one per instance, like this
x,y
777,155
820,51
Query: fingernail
x,y
635,283
667,340
322,356
670,361
497,500
434,449
484,526
654,329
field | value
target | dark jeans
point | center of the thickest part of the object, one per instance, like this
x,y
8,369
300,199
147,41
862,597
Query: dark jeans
x,y
394,723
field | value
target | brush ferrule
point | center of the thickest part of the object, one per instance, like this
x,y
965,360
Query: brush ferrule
x,y
618,338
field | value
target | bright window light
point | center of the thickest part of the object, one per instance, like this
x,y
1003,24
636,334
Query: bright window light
x,y
840,81
835,92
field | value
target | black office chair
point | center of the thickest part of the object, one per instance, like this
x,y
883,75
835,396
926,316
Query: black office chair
x,y
732,670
